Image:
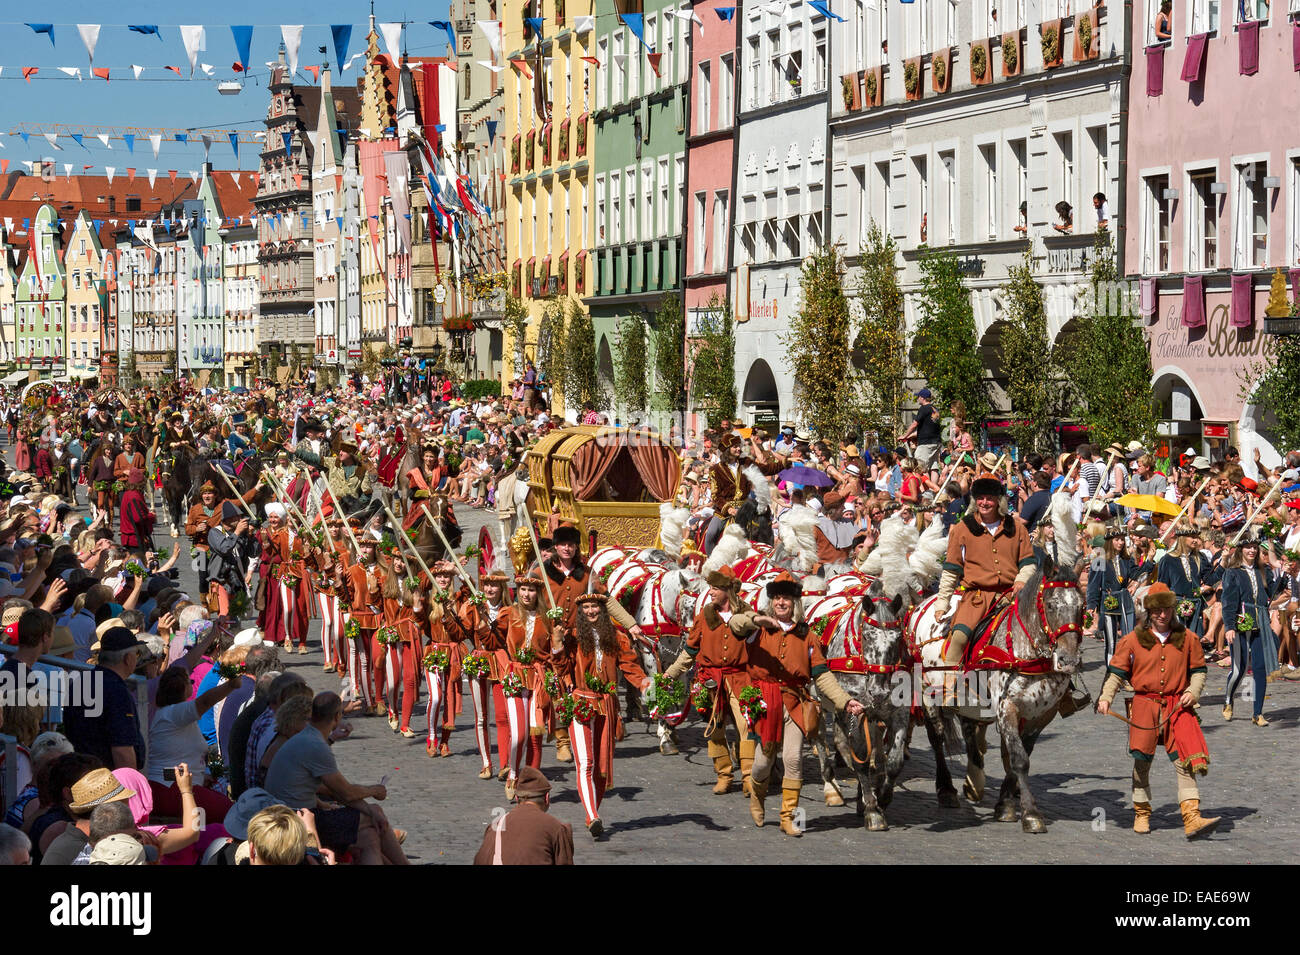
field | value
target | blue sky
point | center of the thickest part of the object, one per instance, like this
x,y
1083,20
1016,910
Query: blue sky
x,y
160,99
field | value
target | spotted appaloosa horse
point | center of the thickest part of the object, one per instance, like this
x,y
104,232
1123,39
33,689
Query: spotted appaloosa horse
x,y
1022,694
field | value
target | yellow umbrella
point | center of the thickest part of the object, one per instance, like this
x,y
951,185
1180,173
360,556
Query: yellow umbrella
x,y
1148,502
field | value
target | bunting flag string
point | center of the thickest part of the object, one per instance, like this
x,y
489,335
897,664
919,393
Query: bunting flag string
x,y
194,37
342,33
90,37
292,36
445,26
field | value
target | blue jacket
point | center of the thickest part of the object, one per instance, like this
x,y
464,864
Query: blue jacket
x,y
1172,573
1237,595
1102,580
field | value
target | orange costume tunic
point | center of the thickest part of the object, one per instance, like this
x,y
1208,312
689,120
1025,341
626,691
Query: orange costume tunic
x,y
987,564
200,514
781,664
719,654
123,464
487,635
364,586
565,589
532,633
442,629
604,668
1160,673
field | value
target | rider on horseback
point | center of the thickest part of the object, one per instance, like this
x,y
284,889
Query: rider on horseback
x,y
991,556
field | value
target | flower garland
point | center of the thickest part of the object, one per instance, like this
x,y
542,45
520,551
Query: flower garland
x,y
513,684
104,487
238,605
555,613
230,671
871,88
1010,56
437,660
1112,602
1245,622
667,696
136,569
979,63
525,655
215,765
701,698
388,636
352,630
752,705
911,77
1051,45
476,667
552,683
575,709
597,685
1185,609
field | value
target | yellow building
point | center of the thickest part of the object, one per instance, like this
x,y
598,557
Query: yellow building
x,y
83,263
548,163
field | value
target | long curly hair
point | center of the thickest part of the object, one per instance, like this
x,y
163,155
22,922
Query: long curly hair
x,y
602,630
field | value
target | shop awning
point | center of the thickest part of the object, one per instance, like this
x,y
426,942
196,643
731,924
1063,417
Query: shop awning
x,y
14,378
83,373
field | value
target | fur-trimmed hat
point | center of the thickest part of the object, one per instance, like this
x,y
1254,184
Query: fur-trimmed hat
x,y
443,567
785,586
987,485
724,578
1159,596
208,486
591,599
567,533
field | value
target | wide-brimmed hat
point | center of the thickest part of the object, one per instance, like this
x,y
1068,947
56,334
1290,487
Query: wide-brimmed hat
x,y
118,849
989,460
249,804
96,788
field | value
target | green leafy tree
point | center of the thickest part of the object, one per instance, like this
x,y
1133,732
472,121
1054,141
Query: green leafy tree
x,y
581,379
514,322
713,379
818,347
1032,378
1277,388
945,351
881,346
126,372
1107,360
631,373
552,350
670,358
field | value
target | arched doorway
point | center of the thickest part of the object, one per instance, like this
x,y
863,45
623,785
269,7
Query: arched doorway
x,y
762,403
1178,408
605,368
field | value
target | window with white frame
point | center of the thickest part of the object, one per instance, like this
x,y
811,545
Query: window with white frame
x,y
635,54
915,15
883,206
582,196
615,208
776,66
679,180
1247,10
682,65
1202,222
568,235
1019,150
989,192
948,198
945,23
819,59
647,200
1155,224
794,61
861,200
770,219
814,234
726,89
1251,243
652,39
986,19
749,229
700,232
856,38
1063,178
668,64
921,195
719,229
632,221
619,57
602,54
664,197
790,225
753,71
1202,17
703,97
1099,145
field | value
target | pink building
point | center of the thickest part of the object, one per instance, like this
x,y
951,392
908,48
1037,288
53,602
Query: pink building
x,y
710,146
1213,189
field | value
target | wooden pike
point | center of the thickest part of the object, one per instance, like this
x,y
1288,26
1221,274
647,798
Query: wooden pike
x,y
1190,501
401,536
451,553
1255,513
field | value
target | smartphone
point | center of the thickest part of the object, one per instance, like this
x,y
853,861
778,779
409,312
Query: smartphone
x,y
169,774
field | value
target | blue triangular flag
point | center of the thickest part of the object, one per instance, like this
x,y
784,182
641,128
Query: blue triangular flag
x,y
492,130
820,7
97,223
342,37
243,41
441,127
286,141
183,137
339,220
535,24
234,143
24,136
76,138
27,223
46,28
445,26
636,23
130,141
146,28
168,224
725,13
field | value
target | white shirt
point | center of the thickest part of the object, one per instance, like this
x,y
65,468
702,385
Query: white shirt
x,y
175,737
1162,637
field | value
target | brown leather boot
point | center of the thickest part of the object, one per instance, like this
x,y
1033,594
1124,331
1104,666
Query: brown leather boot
x,y
722,766
1194,824
1142,817
562,753
747,749
789,803
757,793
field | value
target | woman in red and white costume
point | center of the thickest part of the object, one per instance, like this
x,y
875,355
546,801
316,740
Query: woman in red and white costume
x,y
527,658
597,652
444,632
403,602
482,625
365,581
326,587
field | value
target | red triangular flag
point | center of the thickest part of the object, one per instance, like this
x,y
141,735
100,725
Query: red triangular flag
x,y
654,59
257,179
101,72
521,65
237,67
130,173
174,69
171,174
29,72
297,180
4,166
592,60
87,166
314,71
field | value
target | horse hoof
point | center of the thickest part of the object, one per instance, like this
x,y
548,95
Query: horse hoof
x,y
668,748
948,800
833,798
875,822
971,794
1005,812
1033,823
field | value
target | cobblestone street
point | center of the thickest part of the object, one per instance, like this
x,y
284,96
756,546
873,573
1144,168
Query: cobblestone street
x,y
660,809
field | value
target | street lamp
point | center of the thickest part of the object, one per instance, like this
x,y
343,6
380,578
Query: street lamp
x,y
437,354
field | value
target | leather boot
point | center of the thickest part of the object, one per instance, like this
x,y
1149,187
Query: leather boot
x,y
757,793
1194,824
747,749
789,803
562,753
1142,817
722,766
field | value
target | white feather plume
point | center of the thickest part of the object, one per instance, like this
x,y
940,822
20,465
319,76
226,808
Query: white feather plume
x,y
762,487
731,547
927,558
1066,532
797,526
897,540
672,525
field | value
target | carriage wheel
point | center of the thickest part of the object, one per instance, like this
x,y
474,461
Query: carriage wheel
x,y
486,551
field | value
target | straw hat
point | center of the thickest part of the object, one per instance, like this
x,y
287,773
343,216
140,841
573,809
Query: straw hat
x,y
97,787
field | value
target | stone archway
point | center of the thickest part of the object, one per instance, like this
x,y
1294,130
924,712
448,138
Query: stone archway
x,y
760,397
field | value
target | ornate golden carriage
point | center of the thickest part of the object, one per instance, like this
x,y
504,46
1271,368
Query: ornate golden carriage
x,y
610,481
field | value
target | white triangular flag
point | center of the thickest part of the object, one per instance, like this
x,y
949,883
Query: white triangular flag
x,y
292,41
110,171
352,59
71,71
67,169
206,68
235,177
194,175
195,39
492,30
392,39
89,36
153,174
491,66
584,24
207,146
103,138
155,140
137,70
52,139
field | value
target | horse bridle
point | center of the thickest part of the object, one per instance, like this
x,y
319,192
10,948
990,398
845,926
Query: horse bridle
x,y
1053,636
